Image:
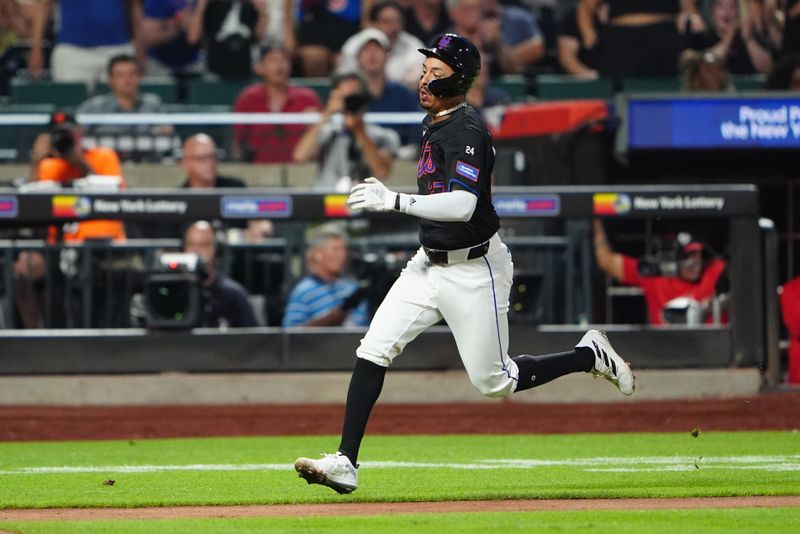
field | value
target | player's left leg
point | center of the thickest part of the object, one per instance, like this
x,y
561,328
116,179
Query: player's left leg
x,y
474,302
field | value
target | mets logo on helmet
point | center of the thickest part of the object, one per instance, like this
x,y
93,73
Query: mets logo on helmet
x,y
425,165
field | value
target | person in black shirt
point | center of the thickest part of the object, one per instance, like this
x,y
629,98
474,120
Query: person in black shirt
x,y
224,301
462,273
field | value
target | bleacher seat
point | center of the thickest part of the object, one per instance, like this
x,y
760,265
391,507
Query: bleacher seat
x,y
651,85
565,87
215,92
513,84
60,94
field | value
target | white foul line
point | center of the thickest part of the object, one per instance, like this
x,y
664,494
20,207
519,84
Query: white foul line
x,y
596,464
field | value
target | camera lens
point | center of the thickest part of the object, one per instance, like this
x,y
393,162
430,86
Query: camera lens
x,y
62,140
355,102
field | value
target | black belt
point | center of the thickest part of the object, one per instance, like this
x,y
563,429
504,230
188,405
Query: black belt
x,y
445,257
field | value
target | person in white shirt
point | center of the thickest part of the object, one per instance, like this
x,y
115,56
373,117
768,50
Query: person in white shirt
x,y
402,64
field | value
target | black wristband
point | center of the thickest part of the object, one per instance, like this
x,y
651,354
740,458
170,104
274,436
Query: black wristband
x,y
397,202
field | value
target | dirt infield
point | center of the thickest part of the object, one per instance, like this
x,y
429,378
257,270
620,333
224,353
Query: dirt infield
x,y
775,411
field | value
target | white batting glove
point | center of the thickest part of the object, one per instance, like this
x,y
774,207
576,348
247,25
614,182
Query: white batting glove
x,y
372,195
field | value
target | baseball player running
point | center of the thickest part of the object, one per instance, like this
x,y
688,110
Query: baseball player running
x,y
461,273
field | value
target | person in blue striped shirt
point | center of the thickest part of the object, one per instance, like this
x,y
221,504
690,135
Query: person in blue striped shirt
x,y
327,295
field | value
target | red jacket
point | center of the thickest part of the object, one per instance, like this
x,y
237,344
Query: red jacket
x,y
658,290
790,309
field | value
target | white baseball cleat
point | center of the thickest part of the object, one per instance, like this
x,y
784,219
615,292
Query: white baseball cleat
x,y
607,363
332,470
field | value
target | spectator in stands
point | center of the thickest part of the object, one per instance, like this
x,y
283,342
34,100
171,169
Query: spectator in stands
x,y
402,65
57,157
425,19
227,30
515,28
276,23
272,143
699,280
579,54
91,32
482,95
790,42
320,29
704,71
786,74
484,31
386,95
224,301
767,21
641,38
790,310
347,149
199,162
732,38
326,295
124,97
15,32
164,33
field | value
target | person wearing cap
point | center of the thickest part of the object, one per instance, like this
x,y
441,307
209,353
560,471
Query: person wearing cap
x,y
402,64
697,281
462,272
57,156
386,96
347,148
272,143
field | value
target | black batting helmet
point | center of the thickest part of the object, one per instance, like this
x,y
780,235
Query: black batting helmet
x,y
462,56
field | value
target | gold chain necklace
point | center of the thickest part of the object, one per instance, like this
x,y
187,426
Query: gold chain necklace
x,y
448,111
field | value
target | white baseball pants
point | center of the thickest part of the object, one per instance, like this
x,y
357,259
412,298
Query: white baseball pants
x,y
472,296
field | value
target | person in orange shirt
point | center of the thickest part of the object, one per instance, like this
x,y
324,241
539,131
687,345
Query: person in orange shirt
x,y
57,156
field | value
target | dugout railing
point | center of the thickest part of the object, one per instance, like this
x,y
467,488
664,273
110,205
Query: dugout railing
x,y
745,342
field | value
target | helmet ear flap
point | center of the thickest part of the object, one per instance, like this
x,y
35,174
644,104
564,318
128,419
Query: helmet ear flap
x,y
447,87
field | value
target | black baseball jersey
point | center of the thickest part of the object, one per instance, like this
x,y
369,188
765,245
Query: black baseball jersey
x,y
457,154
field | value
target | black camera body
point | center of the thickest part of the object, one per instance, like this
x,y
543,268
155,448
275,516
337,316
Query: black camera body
x,y
356,103
62,139
173,292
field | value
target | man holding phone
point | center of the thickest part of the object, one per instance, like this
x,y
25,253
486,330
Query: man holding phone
x,y
347,149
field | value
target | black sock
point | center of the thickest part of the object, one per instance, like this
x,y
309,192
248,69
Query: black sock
x,y
537,370
365,388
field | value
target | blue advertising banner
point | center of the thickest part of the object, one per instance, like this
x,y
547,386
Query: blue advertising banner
x,y
713,123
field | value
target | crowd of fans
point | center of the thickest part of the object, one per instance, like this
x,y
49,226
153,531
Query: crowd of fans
x,y
73,40
367,51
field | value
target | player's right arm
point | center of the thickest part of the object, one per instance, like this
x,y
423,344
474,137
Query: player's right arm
x,y
608,261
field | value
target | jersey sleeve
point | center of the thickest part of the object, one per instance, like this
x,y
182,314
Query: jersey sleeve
x,y
466,162
630,271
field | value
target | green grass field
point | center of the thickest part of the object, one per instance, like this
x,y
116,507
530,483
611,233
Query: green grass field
x,y
412,468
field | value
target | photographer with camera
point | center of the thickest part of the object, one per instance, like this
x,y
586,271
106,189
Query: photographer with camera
x,y
57,159
348,149
326,296
224,302
689,288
